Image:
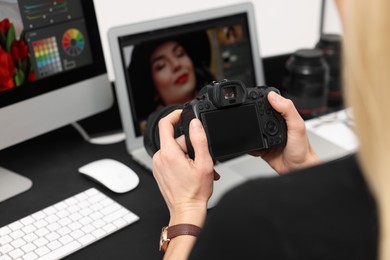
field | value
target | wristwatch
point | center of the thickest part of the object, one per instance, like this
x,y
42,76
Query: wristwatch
x,y
167,233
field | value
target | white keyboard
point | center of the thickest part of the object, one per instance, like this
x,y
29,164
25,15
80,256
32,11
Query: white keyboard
x,y
63,228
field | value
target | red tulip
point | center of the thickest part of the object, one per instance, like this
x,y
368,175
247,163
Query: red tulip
x,y
19,50
7,71
31,76
4,25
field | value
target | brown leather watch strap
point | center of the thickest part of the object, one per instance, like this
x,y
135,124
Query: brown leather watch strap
x,y
182,229
167,233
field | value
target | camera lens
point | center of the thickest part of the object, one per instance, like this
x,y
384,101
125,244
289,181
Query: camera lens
x,y
330,44
306,82
271,127
151,133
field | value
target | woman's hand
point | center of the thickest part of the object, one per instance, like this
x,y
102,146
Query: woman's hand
x,y
185,184
298,152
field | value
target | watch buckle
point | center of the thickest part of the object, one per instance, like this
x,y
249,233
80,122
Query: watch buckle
x,y
164,240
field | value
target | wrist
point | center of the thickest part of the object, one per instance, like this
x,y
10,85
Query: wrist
x,y
313,158
194,216
170,232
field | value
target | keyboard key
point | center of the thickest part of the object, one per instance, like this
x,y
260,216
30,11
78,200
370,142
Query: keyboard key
x,y
16,253
38,215
52,236
30,256
4,231
29,247
15,226
54,245
30,237
18,243
28,229
6,249
27,220
16,234
5,239
42,251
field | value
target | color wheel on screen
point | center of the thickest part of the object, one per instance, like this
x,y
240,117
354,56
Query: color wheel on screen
x,y
73,42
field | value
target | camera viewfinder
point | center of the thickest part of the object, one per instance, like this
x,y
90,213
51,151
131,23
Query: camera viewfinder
x,y
229,93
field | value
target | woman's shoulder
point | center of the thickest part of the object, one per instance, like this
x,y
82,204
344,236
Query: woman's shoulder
x,y
329,197
342,176
314,213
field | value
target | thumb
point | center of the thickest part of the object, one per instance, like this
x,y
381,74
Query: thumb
x,y
199,142
286,108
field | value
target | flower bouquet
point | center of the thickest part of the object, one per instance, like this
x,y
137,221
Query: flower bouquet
x,y
15,60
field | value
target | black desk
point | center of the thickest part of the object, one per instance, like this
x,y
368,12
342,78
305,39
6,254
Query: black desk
x,y
51,161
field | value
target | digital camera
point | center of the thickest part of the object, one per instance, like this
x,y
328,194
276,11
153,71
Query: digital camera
x,y
236,120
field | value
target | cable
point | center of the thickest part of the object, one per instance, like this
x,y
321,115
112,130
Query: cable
x,y
81,131
101,140
322,16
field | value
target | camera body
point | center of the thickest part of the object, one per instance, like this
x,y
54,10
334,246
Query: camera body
x,y
236,119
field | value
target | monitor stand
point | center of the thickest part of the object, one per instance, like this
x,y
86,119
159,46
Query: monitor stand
x,y
12,184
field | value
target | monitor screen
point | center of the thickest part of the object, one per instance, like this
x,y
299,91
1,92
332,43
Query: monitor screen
x,y
169,60
52,71
42,42
170,65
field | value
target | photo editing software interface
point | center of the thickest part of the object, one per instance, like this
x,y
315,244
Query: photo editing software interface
x,y
52,72
218,48
39,39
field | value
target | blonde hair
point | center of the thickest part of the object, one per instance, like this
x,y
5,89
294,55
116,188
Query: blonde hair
x,y
367,80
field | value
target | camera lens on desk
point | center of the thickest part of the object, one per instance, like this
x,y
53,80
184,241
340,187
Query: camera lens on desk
x,y
306,82
330,44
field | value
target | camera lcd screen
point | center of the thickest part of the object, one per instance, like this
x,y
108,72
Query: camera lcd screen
x,y
233,131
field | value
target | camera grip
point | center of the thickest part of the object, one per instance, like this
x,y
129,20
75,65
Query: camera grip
x,y
186,116
278,138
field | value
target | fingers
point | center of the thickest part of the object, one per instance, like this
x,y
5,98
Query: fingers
x,y
166,128
199,143
182,143
287,109
177,147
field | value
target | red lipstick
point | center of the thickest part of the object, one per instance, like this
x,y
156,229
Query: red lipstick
x,y
182,79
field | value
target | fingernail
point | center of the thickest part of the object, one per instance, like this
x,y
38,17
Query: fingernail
x,y
196,124
275,97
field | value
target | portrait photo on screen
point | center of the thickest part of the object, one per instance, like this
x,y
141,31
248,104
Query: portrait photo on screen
x,y
172,69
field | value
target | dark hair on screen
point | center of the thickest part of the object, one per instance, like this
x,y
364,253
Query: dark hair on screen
x,y
196,45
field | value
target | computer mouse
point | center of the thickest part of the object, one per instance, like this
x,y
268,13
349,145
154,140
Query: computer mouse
x,y
112,174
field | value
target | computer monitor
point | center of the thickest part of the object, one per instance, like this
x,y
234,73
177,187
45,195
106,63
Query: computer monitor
x,y
52,72
221,44
169,60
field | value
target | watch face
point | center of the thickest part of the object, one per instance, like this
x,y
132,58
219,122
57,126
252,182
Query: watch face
x,y
164,241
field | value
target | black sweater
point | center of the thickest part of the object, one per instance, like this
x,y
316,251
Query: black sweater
x,y
323,212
